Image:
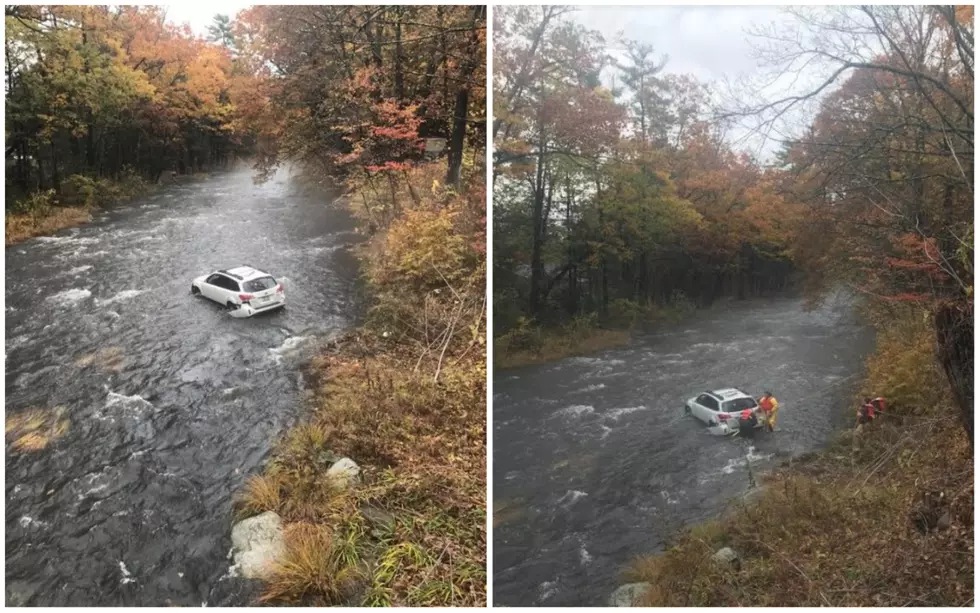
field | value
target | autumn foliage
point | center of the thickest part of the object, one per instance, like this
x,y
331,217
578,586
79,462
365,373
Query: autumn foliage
x,y
96,90
605,196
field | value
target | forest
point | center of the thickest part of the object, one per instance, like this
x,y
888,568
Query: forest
x,y
382,110
620,193
608,200
613,201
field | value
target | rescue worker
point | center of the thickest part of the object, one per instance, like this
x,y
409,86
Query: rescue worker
x,y
879,405
866,414
746,423
769,407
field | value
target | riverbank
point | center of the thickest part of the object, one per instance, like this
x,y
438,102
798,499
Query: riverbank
x,y
882,517
403,398
46,212
19,227
527,343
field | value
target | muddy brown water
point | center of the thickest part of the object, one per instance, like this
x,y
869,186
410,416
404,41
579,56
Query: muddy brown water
x,y
171,403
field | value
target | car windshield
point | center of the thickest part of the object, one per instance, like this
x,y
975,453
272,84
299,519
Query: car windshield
x,y
739,404
259,285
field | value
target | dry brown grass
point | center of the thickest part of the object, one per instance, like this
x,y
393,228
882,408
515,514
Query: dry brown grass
x,y
20,227
35,429
314,570
109,359
558,344
832,534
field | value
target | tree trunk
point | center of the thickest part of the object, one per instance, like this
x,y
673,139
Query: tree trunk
x,y
537,266
458,136
954,333
454,174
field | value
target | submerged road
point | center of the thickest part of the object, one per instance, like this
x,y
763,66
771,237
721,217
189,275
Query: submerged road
x,y
171,403
596,463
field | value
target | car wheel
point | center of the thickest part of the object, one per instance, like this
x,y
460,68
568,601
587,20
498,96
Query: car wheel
x,y
712,423
194,290
231,306
687,409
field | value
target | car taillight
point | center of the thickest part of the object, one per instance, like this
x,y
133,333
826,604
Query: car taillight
x,y
723,416
280,289
245,297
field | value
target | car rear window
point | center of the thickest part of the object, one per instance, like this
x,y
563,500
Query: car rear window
x,y
259,285
739,404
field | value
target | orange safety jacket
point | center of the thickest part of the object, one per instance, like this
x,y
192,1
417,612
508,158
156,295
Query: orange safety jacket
x,y
747,414
767,404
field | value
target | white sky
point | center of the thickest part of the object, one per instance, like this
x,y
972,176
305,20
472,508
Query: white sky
x,y
201,14
708,42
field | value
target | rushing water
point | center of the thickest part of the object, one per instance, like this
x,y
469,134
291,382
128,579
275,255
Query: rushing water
x,y
171,402
595,461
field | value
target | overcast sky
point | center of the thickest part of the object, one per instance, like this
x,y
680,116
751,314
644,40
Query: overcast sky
x,y
709,42
200,14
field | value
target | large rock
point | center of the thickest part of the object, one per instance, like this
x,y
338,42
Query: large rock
x,y
726,556
629,595
344,473
256,543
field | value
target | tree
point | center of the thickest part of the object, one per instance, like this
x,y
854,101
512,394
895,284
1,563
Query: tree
x,y
886,167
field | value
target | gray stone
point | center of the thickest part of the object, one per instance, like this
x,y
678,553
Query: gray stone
x,y
726,555
380,521
344,473
945,521
629,595
256,543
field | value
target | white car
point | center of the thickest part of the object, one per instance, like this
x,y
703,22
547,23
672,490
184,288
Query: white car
x,y
245,291
721,407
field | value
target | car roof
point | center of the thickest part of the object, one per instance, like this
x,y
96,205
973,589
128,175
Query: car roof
x,y
244,273
729,393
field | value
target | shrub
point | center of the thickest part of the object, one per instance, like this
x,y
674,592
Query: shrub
x,y
904,370
524,336
37,203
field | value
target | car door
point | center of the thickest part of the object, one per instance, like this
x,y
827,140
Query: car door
x,y
211,288
701,409
710,409
230,290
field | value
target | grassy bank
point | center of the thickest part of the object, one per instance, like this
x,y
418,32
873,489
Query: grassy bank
x,y
860,523
404,397
526,343
47,212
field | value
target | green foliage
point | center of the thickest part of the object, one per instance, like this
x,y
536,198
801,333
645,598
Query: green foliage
x,y
36,203
524,336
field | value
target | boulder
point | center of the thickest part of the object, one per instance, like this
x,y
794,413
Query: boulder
x,y
344,473
629,595
256,543
726,556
